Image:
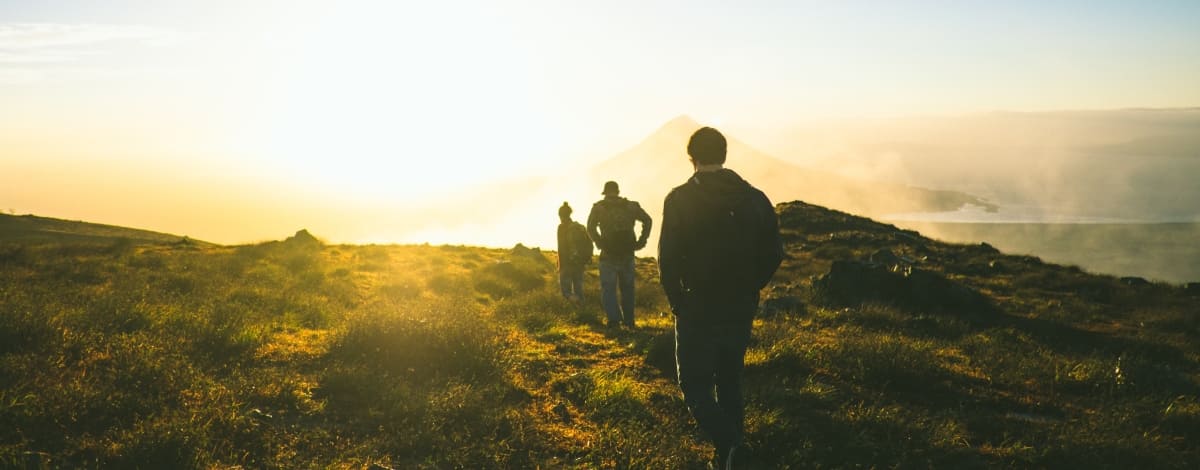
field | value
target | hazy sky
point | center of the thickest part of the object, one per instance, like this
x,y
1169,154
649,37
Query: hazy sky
x,y
179,116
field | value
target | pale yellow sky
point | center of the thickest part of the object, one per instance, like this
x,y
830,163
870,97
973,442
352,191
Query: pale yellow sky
x,y
235,123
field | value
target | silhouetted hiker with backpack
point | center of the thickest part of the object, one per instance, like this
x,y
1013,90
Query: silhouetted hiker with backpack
x,y
719,246
574,253
614,216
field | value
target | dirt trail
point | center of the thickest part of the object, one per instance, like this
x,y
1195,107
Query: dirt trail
x,y
578,376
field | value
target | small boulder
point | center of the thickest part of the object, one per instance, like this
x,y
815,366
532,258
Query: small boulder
x,y
303,238
854,282
1134,281
1029,260
522,251
931,291
985,247
849,280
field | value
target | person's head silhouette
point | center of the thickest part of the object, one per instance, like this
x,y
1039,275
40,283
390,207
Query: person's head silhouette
x,y
564,212
707,147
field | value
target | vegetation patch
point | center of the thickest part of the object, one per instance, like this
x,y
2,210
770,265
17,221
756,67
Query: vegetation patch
x,y
135,352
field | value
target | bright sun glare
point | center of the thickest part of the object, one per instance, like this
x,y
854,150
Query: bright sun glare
x,y
362,105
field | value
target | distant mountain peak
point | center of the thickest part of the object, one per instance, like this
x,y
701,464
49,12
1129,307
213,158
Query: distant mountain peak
x,y
681,124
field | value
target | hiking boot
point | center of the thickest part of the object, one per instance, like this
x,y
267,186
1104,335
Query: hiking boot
x,y
738,458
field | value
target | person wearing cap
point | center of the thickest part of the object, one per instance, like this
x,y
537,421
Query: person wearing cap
x,y
610,224
719,246
574,253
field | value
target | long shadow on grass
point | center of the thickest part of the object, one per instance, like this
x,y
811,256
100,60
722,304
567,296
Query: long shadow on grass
x,y
805,429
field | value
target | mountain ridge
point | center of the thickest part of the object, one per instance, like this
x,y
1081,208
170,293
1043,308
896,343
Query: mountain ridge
x,y
659,162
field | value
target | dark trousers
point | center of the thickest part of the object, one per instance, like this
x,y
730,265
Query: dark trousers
x,y
617,273
711,337
570,280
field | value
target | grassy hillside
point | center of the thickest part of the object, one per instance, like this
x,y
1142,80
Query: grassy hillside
x,y
299,354
31,228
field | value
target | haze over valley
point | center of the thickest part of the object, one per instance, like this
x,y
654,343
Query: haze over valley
x,y
1110,191
1129,167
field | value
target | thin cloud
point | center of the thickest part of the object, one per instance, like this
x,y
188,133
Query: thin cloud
x,y
55,36
27,50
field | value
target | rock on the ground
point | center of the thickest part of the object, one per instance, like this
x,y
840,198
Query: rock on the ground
x,y
852,282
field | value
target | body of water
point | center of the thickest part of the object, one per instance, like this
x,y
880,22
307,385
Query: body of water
x,y
1155,250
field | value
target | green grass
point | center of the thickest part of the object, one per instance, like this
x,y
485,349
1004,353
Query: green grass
x,y
150,354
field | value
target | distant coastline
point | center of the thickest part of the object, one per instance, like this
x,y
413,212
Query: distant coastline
x,y
1162,250
1019,214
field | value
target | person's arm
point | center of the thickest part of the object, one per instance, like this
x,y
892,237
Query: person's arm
x,y
670,256
562,246
592,228
772,253
644,218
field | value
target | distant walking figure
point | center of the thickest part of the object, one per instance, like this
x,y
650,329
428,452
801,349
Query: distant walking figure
x,y
574,253
719,246
614,216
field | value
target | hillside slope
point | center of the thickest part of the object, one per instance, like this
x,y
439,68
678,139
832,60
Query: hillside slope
x,y
33,228
299,354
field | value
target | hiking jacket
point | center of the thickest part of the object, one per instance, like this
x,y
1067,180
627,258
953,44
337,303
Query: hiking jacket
x,y
688,241
610,224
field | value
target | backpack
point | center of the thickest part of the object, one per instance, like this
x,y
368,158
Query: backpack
x,y
732,242
581,244
615,219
